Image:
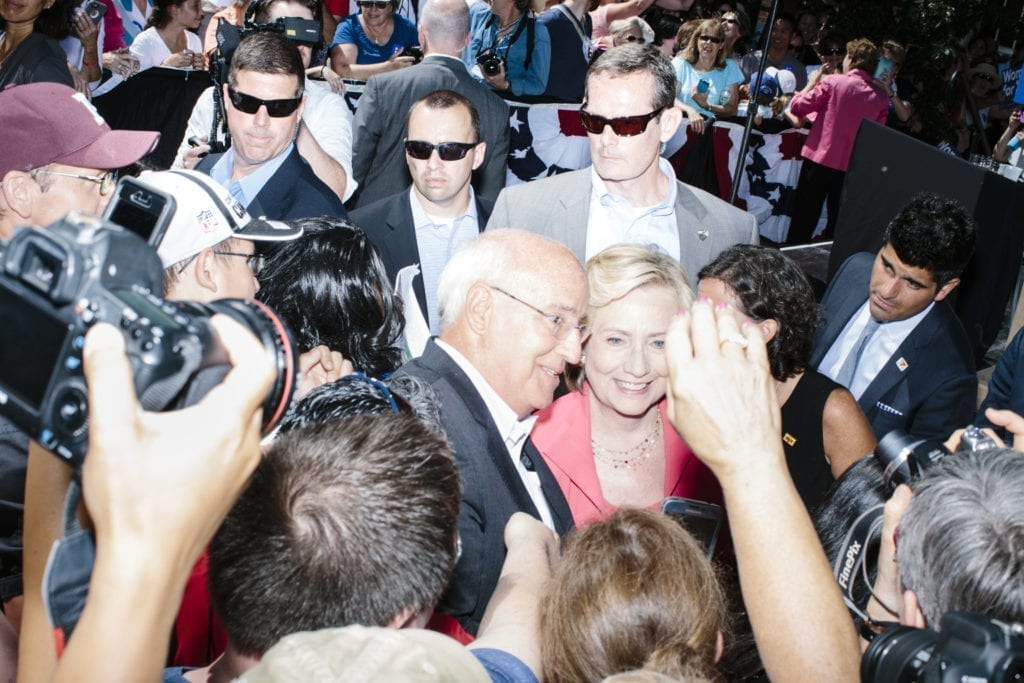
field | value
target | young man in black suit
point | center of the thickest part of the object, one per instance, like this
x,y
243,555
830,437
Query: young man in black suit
x,y
424,224
890,336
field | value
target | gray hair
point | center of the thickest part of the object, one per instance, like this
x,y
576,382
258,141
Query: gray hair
x,y
446,23
620,26
630,59
961,541
479,260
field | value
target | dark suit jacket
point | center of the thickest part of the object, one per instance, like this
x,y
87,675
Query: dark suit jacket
x,y
292,192
1006,387
389,225
491,488
378,132
928,387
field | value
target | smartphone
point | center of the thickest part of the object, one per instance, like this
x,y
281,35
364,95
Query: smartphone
x,y
702,520
142,209
703,86
884,65
414,51
95,10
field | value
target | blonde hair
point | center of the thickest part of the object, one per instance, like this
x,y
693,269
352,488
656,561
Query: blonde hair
x,y
708,27
618,270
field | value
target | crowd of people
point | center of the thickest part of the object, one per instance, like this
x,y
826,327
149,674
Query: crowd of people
x,y
490,392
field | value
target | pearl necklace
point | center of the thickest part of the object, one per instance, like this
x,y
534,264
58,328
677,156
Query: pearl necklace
x,y
631,458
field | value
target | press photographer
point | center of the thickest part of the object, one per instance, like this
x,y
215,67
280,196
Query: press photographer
x,y
959,570
508,49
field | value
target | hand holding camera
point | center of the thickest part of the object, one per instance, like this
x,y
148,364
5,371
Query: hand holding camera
x,y
492,67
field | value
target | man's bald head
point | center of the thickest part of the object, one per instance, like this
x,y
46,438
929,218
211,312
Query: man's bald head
x,y
511,303
444,26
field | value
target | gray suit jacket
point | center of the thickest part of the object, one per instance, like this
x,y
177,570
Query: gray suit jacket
x,y
378,157
559,207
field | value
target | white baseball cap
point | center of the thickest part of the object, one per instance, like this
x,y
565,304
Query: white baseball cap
x,y
206,215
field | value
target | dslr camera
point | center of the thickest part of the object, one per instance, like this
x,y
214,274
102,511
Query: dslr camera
x,y
904,458
57,282
490,62
969,647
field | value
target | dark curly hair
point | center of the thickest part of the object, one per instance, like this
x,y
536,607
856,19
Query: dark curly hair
x,y
770,286
330,287
935,234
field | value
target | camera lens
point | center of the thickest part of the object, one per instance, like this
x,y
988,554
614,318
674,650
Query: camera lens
x,y
277,343
903,458
897,655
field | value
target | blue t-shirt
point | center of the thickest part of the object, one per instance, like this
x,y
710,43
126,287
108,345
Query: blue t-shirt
x,y
718,80
483,32
350,31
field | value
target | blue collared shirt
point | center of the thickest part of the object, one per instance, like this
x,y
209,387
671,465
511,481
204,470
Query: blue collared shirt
x,y
251,184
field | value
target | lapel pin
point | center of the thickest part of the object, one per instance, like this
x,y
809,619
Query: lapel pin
x,y
702,234
902,364
789,439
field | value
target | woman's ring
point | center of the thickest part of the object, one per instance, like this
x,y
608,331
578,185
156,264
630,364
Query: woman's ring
x,y
735,338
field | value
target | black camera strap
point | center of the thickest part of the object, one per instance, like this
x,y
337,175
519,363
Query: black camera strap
x,y
851,559
524,23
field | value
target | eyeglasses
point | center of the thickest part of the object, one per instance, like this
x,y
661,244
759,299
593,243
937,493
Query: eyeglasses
x,y
105,181
623,126
634,39
560,327
376,4
254,261
834,51
448,151
731,21
275,108
712,39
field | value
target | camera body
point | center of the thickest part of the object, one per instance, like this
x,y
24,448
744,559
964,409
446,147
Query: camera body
x,y
55,283
490,62
969,647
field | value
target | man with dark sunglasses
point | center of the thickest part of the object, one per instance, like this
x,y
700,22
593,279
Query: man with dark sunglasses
x,y
378,159
423,225
264,99
630,193
779,54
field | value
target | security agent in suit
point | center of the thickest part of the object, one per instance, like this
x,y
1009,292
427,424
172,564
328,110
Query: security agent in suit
x,y
263,101
425,224
629,194
511,303
889,334
378,162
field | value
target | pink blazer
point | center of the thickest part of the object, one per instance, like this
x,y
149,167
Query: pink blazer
x,y
562,435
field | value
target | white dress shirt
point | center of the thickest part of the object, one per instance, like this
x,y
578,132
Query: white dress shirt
x,y
880,348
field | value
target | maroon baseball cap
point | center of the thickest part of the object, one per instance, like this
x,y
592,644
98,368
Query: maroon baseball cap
x,y
50,123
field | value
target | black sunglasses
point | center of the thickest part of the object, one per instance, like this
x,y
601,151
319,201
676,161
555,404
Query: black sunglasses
x,y
834,51
379,4
447,151
275,108
712,39
623,126
730,21
634,39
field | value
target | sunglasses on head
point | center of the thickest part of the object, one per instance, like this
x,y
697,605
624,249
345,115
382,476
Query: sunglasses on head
x,y
712,39
833,51
275,108
447,151
623,126
378,4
